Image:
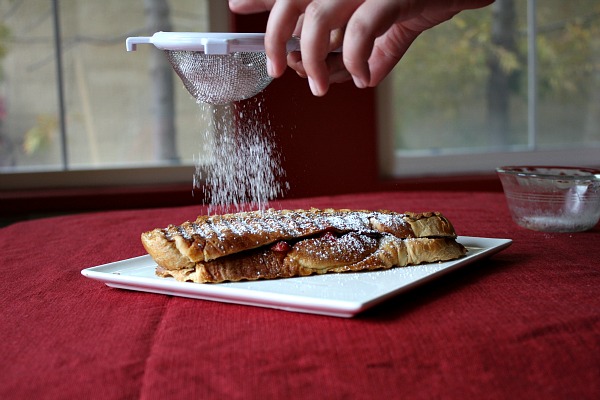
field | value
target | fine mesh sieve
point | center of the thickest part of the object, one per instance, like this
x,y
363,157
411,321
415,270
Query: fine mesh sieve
x,y
215,68
220,78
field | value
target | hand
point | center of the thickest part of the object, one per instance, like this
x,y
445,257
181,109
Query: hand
x,y
375,34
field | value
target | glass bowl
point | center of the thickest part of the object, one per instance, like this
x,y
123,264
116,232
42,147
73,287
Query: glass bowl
x,y
552,199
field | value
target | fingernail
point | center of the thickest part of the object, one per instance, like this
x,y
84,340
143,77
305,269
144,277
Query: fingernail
x,y
313,87
359,83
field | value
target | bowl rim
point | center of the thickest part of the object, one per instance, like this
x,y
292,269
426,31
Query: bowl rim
x,y
518,170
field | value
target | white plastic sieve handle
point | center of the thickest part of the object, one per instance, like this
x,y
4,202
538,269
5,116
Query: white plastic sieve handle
x,y
208,43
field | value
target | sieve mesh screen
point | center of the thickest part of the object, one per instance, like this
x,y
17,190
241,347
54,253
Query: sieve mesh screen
x,y
220,78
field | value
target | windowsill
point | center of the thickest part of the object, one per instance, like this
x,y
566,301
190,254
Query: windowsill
x,y
22,204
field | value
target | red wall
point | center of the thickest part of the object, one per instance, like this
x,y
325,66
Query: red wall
x,y
328,144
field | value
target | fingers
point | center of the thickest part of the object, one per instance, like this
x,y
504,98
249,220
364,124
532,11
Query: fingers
x,y
388,50
335,66
375,35
321,25
363,22
322,22
282,24
370,21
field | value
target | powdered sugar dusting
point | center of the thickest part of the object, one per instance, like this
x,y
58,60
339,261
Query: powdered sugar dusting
x,y
279,224
346,249
241,167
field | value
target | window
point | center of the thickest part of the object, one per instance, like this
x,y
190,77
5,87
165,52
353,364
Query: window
x,y
82,102
516,82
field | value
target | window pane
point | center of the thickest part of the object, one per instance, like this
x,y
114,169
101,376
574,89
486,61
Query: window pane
x,y
29,118
441,86
463,86
568,72
109,94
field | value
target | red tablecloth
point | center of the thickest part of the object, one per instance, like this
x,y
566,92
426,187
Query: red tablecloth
x,y
524,323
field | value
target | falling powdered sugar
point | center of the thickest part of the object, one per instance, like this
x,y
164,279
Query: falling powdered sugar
x,y
240,167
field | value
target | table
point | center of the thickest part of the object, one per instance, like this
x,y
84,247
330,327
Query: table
x,y
524,323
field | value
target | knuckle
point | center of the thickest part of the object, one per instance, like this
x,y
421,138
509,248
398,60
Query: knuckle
x,y
359,28
317,11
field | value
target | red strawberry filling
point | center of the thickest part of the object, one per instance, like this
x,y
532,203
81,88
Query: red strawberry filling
x,y
281,246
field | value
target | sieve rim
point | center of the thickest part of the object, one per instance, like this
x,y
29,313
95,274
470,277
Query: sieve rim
x,y
207,42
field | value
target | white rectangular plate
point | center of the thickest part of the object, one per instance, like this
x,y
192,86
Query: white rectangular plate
x,y
339,295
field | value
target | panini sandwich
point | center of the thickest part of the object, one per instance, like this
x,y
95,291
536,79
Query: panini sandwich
x,y
274,244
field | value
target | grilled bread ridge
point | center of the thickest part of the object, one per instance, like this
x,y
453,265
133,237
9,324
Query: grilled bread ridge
x,y
350,252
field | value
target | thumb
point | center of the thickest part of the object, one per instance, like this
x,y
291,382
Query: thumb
x,y
388,50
